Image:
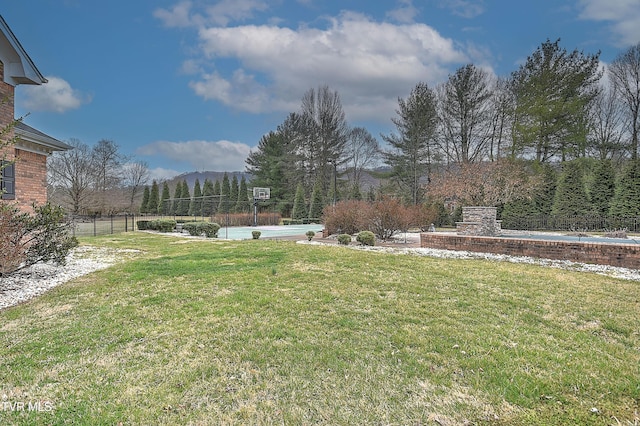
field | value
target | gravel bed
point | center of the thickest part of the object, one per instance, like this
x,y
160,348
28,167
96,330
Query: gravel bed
x,y
37,279
613,271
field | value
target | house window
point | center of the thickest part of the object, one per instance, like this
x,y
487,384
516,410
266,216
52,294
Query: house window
x,y
8,181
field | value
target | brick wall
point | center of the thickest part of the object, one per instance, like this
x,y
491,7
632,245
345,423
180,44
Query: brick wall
x,y
31,179
6,111
31,168
623,255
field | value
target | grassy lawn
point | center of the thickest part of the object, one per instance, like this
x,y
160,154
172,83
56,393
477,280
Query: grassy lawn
x,y
269,332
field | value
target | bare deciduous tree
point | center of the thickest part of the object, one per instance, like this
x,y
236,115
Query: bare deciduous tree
x,y
624,72
73,172
465,114
362,151
135,176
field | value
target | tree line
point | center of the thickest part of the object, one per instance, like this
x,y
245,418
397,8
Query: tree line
x,y
561,120
219,197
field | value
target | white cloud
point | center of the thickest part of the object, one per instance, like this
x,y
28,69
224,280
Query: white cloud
x,y
200,155
159,174
405,13
624,16
226,11
57,95
223,12
178,16
369,63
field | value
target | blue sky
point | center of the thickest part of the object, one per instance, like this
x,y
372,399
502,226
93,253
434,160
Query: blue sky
x,y
193,85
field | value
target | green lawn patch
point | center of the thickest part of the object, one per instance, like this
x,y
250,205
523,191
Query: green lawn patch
x,y
271,332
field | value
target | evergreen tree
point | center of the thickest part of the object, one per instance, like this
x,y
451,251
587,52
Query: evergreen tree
x,y
603,187
571,196
553,90
626,201
208,202
543,197
145,200
217,191
225,191
243,205
177,193
165,200
299,204
154,198
412,148
233,194
317,204
355,192
185,200
195,208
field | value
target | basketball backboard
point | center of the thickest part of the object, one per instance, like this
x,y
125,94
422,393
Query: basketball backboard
x,y
261,193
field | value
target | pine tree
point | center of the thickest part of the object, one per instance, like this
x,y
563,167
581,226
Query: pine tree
x,y
185,200
154,198
145,200
626,201
217,191
165,200
243,205
299,205
543,198
233,194
208,201
571,196
195,208
177,193
317,204
603,187
225,191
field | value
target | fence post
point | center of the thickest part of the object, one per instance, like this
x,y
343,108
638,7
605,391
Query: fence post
x,y
94,225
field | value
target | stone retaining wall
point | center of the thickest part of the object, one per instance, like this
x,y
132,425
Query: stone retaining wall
x,y
622,255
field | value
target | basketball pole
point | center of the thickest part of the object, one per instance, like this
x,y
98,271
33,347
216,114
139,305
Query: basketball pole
x,y
255,212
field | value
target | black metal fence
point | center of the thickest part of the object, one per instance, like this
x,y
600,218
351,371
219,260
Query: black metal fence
x,y
86,226
571,223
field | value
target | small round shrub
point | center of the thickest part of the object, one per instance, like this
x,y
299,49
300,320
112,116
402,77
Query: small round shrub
x,y
310,235
209,229
366,238
344,239
163,225
256,234
143,225
192,228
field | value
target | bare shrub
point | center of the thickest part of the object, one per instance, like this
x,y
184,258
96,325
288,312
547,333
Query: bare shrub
x,y
345,217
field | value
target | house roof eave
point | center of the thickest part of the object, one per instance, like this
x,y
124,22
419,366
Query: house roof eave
x,y
26,133
24,71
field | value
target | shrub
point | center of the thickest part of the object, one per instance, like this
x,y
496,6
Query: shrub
x,y
256,234
310,235
143,225
29,239
366,238
162,225
192,228
209,229
384,217
344,239
345,217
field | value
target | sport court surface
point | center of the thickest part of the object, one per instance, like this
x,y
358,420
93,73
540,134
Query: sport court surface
x,y
245,232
